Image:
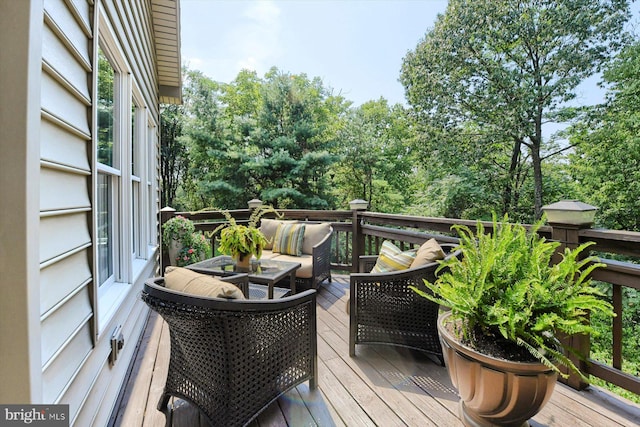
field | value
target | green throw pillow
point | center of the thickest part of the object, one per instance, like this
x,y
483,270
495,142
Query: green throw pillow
x,y
289,238
392,258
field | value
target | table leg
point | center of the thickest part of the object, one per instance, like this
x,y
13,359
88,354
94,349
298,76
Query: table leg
x,y
292,281
270,291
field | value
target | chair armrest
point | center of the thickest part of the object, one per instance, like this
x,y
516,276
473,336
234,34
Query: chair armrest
x,y
326,241
321,254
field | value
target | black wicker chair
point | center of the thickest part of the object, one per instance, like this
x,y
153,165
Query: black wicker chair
x,y
233,358
383,310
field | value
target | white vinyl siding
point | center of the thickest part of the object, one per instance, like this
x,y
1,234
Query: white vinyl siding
x,y
63,147
61,370
76,185
62,278
76,323
61,234
57,100
56,326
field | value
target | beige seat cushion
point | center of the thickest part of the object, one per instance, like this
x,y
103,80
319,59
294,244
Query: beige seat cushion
x,y
430,251
304,272
268,254
313,234
188,281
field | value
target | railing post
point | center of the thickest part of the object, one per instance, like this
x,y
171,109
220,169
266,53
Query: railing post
x,y
165,214
566,218
357,238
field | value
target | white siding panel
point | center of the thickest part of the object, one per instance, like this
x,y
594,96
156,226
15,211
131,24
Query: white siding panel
x,y
62,278
59,57
63,147
61,370
84,11
59,327
63,190
62,233
61,103
64,19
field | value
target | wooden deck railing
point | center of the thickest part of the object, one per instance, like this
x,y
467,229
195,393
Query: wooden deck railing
x,y
361,232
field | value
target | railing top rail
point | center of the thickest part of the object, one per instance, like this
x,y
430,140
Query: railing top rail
x,y
435,223
617,241
300,214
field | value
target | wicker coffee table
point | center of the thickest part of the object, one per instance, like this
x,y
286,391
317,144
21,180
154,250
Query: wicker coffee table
x,y
265,272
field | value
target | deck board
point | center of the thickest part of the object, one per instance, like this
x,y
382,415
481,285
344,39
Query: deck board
x,y
382,385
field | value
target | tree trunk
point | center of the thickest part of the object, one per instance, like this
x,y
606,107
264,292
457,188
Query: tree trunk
x,y
507,195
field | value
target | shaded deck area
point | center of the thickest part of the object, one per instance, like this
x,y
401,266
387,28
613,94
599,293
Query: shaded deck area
x,y
382,386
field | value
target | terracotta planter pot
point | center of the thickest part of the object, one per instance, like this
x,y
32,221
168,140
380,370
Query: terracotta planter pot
x,y
494,392
243,262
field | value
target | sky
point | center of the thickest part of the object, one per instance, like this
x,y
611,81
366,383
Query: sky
x,y
355,46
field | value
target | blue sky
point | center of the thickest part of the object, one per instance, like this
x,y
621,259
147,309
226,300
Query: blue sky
x,y
355,47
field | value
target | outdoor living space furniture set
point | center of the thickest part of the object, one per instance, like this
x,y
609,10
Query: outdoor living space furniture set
x,y
232,357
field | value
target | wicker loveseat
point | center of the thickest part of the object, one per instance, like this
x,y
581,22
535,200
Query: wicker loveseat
x,y
383,310
232,358
315,251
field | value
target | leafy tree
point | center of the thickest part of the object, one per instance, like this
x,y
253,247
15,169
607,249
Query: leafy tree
x,y
291,142
507,66
606,161
216,177
173,157
376,160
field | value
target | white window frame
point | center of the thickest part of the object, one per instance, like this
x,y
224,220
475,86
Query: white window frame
x,y
152,198
112,292
138,205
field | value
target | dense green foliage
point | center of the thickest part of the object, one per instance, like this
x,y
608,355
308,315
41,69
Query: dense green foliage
x,y
489,74
505,288
606,161
606,166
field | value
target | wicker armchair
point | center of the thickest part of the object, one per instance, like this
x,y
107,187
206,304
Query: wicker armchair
x,y
233,358
383,310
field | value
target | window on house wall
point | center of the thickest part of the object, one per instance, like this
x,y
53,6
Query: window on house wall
x,y
152,174
137,129
123,174
108,172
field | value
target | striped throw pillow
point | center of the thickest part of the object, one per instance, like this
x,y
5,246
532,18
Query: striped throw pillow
x,y
288,239
391,258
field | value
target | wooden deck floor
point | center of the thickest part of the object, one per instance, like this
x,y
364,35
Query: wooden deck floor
x,y
382,386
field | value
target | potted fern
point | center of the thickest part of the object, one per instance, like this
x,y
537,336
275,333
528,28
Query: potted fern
x,y
243,241
509,307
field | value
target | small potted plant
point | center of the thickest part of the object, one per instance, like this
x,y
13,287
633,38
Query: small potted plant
x,y
509,307
185,246
194,249
243,241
